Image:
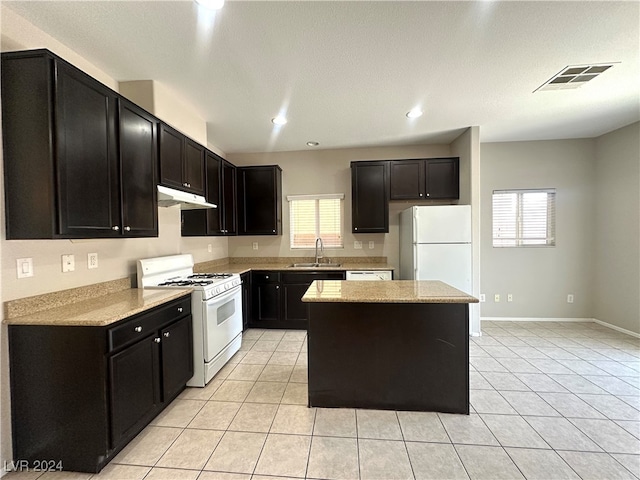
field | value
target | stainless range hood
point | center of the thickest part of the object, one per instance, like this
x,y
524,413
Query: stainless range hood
x,y
168,197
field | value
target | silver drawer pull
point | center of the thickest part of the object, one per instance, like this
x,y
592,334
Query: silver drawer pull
x,y
157,339
166,334
115,228
137,329
127,229
179,309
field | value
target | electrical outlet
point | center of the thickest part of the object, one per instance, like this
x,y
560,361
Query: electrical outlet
x,y
496,297
372,244
24,267
483,297
68,263
357,245
570,298
255,245
209,248
510,297
92,260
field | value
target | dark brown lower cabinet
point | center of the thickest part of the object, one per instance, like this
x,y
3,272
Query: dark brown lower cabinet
x,y
79,394
277,297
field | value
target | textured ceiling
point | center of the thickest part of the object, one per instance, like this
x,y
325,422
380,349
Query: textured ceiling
x,y
345,73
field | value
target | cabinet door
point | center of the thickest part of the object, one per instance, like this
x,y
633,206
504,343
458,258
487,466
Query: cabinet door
x,y
138,157
266,302
177,357
215,216
442,178
87,156
293,309
133,387
229,198
171,154
259,200
193,167
246,299
406,178
369,195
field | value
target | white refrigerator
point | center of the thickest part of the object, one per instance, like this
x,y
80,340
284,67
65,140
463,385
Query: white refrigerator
x,y
435,244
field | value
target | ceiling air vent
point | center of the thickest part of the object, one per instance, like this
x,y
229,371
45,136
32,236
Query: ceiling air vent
x,y
573,76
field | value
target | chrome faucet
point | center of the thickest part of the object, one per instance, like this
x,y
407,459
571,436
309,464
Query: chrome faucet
x,y
318,257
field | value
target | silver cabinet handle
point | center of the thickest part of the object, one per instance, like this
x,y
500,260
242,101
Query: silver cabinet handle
x,y
185,184
267,277
356,229
274,231
127,229
427,194
138,329
420,194
157,340
277,287
166,334
179,309
115,228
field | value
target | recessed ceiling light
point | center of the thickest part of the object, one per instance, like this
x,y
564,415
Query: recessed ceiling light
x,y
312,144
279,120
574,76
211,4
415,112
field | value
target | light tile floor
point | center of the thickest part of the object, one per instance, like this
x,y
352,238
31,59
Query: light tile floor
x,y
548,400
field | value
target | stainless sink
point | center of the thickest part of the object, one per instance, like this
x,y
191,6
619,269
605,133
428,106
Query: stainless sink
x,y
314,265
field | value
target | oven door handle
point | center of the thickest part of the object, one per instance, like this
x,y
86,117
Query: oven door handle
x,y
224,296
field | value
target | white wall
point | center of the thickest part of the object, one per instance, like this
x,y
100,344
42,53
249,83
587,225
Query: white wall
x,y
467,147
327,171
617,228
541,277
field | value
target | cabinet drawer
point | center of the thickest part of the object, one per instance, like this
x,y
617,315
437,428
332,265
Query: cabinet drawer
x,y
265,277
142,325
308,277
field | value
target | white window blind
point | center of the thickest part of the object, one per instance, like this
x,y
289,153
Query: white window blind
x,y
524,218
313,216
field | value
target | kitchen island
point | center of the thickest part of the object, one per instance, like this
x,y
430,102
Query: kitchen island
x,y
395,345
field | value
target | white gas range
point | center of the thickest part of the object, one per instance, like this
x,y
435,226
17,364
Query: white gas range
x,y
216,304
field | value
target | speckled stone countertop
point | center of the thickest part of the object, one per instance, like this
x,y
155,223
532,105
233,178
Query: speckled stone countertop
x,y
102,310
243,265
390,291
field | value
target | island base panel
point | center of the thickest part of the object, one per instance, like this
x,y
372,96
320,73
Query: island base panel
x,y
389,356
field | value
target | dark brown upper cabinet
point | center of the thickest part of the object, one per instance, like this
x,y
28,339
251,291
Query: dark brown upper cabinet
x,y
260,200
370,197
181,161
425,179
221,191
69,155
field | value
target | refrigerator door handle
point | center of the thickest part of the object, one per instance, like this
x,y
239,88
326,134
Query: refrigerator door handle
x,y
414,228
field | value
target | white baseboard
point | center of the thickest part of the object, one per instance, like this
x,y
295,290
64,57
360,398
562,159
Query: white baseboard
x,y
615,327
537,319
547,319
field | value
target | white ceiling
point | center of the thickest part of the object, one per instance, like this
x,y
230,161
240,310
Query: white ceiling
x,y
345,73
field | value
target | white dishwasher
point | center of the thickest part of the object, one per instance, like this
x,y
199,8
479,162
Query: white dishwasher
x,y
369,275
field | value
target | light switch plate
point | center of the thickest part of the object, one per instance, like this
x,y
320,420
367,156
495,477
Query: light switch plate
x,y
255,245
24,267
357,245
68,263
92,260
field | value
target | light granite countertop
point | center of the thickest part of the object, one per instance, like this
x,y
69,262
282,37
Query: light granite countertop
x,y
102,310
389,291
285,267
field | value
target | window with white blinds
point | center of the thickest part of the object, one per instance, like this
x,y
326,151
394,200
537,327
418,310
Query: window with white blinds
x,y
523,218
313,216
